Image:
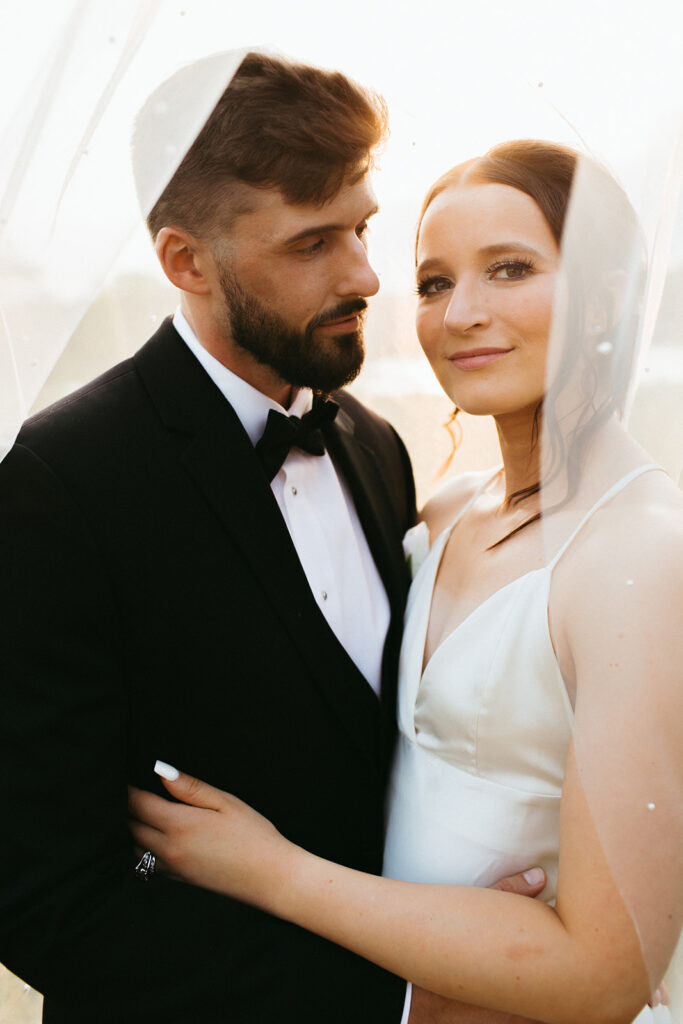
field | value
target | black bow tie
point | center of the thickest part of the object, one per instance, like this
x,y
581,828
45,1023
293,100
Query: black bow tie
x,y
285,432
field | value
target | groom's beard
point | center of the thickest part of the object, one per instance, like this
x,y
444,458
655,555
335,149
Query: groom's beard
x,y
295,355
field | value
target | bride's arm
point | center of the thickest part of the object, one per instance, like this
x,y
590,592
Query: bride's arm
x,y
479,946
580,961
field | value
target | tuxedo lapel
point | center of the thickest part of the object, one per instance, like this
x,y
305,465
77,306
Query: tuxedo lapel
x,y
220,459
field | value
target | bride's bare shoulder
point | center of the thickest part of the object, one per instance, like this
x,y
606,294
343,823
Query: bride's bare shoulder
x,y
635,545
644,523
617,604
653,527
442,508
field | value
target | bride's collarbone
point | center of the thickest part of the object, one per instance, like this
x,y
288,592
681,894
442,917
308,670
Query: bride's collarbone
x,y
471,572
483,548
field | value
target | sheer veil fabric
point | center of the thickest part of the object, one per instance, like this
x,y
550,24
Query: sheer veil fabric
x,y
69,201
617,354
69,197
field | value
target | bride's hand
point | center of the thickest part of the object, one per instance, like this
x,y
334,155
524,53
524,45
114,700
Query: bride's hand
x,y
210,839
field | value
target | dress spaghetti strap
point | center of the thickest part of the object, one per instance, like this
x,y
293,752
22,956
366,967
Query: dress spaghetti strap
x,y
607,496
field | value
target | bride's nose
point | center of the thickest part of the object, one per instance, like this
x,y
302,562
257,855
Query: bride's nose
x,y
466,309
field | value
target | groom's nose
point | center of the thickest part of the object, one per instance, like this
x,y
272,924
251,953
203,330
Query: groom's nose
x,y
356,276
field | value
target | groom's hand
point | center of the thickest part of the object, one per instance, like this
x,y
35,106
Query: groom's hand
x,y
427,1008
527,883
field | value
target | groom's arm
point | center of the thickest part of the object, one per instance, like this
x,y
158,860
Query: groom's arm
x,y
74,920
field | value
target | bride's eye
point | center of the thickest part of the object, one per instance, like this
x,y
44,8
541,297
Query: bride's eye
x,y
433,285
510,270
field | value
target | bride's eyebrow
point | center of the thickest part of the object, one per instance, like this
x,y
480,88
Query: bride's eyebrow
x,y
429,264
498,248
495,249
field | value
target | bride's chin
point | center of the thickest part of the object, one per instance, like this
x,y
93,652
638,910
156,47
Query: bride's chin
x,y
492,402
478,405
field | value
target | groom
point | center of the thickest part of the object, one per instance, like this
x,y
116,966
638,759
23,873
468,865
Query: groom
x,y
200,562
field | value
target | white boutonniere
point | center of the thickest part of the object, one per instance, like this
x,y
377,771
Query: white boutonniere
x,y
416,547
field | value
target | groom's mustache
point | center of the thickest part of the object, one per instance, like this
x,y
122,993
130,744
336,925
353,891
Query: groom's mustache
x,y
350,307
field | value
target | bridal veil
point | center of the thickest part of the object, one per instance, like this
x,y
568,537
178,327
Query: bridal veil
x,y
69,203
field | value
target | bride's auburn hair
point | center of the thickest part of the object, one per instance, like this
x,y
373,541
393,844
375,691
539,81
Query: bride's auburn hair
x,y
543,170
603,256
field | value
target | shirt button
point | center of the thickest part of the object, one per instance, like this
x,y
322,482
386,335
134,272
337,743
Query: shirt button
x,y
294,490
324,595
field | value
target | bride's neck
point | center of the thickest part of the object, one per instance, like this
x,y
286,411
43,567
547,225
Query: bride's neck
x,y
519,438
608,453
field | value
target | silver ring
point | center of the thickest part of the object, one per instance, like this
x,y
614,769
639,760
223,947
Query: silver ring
x,y
146,866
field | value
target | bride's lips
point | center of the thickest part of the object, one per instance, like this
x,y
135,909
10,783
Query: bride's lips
x,y
474,358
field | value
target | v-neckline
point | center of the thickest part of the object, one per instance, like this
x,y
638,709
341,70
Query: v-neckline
x,y
442,540
470,615
443,537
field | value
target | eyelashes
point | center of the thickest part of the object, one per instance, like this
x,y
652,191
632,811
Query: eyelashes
x,y
321,243
502,270
430,285
520,268
308,250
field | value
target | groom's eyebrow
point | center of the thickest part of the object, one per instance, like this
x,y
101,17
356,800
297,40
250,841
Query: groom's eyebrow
x,y
320,229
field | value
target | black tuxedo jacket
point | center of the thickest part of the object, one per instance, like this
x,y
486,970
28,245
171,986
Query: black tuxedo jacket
x,y
153,606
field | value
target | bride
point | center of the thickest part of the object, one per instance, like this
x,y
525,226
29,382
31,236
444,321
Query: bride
x,y
539,690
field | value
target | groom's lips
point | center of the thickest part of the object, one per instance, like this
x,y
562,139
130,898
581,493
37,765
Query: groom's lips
x,y
349,323
348,318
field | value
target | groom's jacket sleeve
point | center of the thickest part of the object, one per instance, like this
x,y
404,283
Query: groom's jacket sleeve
x,y
75,922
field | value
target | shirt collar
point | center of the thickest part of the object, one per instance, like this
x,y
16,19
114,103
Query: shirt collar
x,y
252,406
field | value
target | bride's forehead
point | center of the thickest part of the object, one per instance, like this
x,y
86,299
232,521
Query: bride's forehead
x,y
482,214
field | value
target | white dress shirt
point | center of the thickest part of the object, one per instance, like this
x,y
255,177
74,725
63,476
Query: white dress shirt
x,y
321,518
323,523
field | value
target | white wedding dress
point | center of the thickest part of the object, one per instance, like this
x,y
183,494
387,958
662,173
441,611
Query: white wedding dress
x,y
484,732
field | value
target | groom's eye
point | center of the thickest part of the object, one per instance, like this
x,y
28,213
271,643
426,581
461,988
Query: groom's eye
x,y
309,250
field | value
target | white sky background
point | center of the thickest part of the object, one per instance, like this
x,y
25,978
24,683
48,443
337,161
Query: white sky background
x,y
458,77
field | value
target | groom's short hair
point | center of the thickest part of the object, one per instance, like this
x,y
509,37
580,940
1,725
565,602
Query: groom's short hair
x,y
278,124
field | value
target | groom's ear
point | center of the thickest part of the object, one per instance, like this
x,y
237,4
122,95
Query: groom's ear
x,y
186,261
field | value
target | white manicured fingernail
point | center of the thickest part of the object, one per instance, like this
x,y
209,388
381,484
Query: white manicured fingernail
x,y
534,876
166,771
